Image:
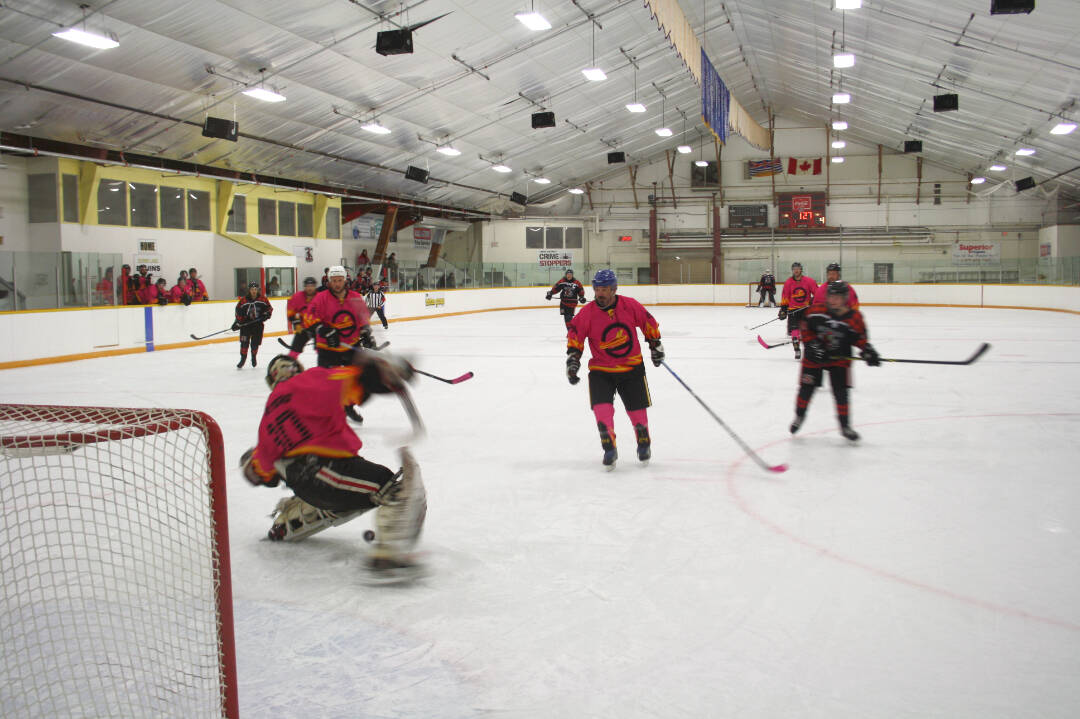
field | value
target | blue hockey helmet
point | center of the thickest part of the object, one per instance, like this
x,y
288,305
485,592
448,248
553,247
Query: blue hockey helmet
x,y
605,278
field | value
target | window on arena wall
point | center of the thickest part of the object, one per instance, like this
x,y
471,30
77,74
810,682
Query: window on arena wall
x,y
112,203
267,217
305,219
237,215
198,210
573,238
42,190
171,201
286,218
553,238
143,204
534,238
333,223
70,190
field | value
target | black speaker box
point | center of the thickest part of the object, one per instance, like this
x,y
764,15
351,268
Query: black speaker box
x,y
1011,7
946,103
912,145
394,42
543,119
517,198
1024,183
614,158
221,129
416,174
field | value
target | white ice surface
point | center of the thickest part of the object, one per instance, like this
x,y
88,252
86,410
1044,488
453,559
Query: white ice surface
x,y
932,570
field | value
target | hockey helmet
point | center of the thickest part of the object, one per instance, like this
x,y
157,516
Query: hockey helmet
x,y
569,271
833,268
253,285
282,368
337,271
796,264
310,281
837,287
605,278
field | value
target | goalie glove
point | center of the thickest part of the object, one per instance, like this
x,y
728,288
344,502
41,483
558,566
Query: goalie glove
x,y
871,355
573,365
657,351
782,314
251,475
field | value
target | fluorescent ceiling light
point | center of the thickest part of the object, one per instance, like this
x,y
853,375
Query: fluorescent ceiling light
x,y
501,168
594,74
261,93
997,168
576,191
448,150
701,163
843,59
635,107
664,132
1025,151
839,144
375,127
685,149
1063,128
89,39
836,160
533,20
841,98
847,4
978,180
542,181
839,125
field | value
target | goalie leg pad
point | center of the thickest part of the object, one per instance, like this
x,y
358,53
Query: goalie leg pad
x,y
295,519
402,509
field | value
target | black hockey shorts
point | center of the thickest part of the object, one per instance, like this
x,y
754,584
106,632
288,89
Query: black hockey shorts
x,y
567,312
344,484
838,376
252,334
631,386
329,358
793,321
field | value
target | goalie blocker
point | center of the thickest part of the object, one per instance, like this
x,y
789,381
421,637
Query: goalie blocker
x,y
305,441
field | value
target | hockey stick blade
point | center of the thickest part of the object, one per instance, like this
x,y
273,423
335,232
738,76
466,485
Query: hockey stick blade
x,y
776,468
455,380
978,353
768,346
774,319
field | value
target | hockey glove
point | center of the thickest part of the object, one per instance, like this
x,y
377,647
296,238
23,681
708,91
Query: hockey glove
x,y
163,301
547,296
331,336
186,299
871,355
235,325
251,475
573,364
657,351
782,314
582,299
815,352
367,340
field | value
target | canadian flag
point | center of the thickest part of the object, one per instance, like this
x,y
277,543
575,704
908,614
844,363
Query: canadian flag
x,y
804,166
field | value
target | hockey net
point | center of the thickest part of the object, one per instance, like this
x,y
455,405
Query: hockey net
x,y
114,556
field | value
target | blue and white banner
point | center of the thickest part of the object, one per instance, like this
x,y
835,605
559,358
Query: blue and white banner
x,y
715,99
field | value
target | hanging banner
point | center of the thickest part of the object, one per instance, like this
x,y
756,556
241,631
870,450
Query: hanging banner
x,y
976,253
715,99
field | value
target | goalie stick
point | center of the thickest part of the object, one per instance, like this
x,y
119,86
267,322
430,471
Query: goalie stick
x,y
745,448
978,353
774,319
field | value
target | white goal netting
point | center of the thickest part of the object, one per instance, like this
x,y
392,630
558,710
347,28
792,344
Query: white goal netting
x,y
114,557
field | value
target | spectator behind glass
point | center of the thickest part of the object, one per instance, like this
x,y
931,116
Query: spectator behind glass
x,y
103,293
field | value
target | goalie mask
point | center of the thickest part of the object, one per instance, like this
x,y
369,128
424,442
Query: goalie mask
x,y
282,368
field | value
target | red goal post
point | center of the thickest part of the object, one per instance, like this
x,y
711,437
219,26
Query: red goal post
x,y
114,549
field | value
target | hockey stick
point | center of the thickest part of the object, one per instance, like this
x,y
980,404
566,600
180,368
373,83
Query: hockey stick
x,y
768,346
745,448
774,319
412,412
227,329
978,353
288,346
456,380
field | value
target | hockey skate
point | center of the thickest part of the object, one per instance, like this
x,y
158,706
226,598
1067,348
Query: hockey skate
x,y
849,434
796,423
798,351
254,361
243,359
607,442
644,443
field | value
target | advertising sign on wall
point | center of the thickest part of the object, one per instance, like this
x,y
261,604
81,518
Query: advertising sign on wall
x,y
152,260
555,258
421,237
976,253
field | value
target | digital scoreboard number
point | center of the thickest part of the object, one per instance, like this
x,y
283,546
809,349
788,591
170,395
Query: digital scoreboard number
x,y
801,210
748,215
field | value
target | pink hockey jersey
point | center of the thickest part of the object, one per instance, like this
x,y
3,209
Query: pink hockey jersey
x,y
295,307
349,315
852,298
304,415
798,293
612,334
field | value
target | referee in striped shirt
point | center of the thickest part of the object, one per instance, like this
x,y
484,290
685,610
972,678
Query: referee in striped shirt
x,y
376,298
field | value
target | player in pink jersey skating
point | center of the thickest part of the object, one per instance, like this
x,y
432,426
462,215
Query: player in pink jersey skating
x,y
609,323
798,294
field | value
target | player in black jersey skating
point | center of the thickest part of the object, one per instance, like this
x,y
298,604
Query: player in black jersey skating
x,y
252,310
570,294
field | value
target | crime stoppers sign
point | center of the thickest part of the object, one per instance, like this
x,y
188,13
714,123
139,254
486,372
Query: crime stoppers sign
x,y
555,258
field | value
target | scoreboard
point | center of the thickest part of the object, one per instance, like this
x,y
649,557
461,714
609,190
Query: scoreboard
x,y
801,210
748,215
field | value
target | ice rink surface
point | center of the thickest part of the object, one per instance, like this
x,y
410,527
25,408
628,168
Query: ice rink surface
x,y
932,570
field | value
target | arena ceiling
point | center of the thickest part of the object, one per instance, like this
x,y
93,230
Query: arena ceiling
x,y
477,74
